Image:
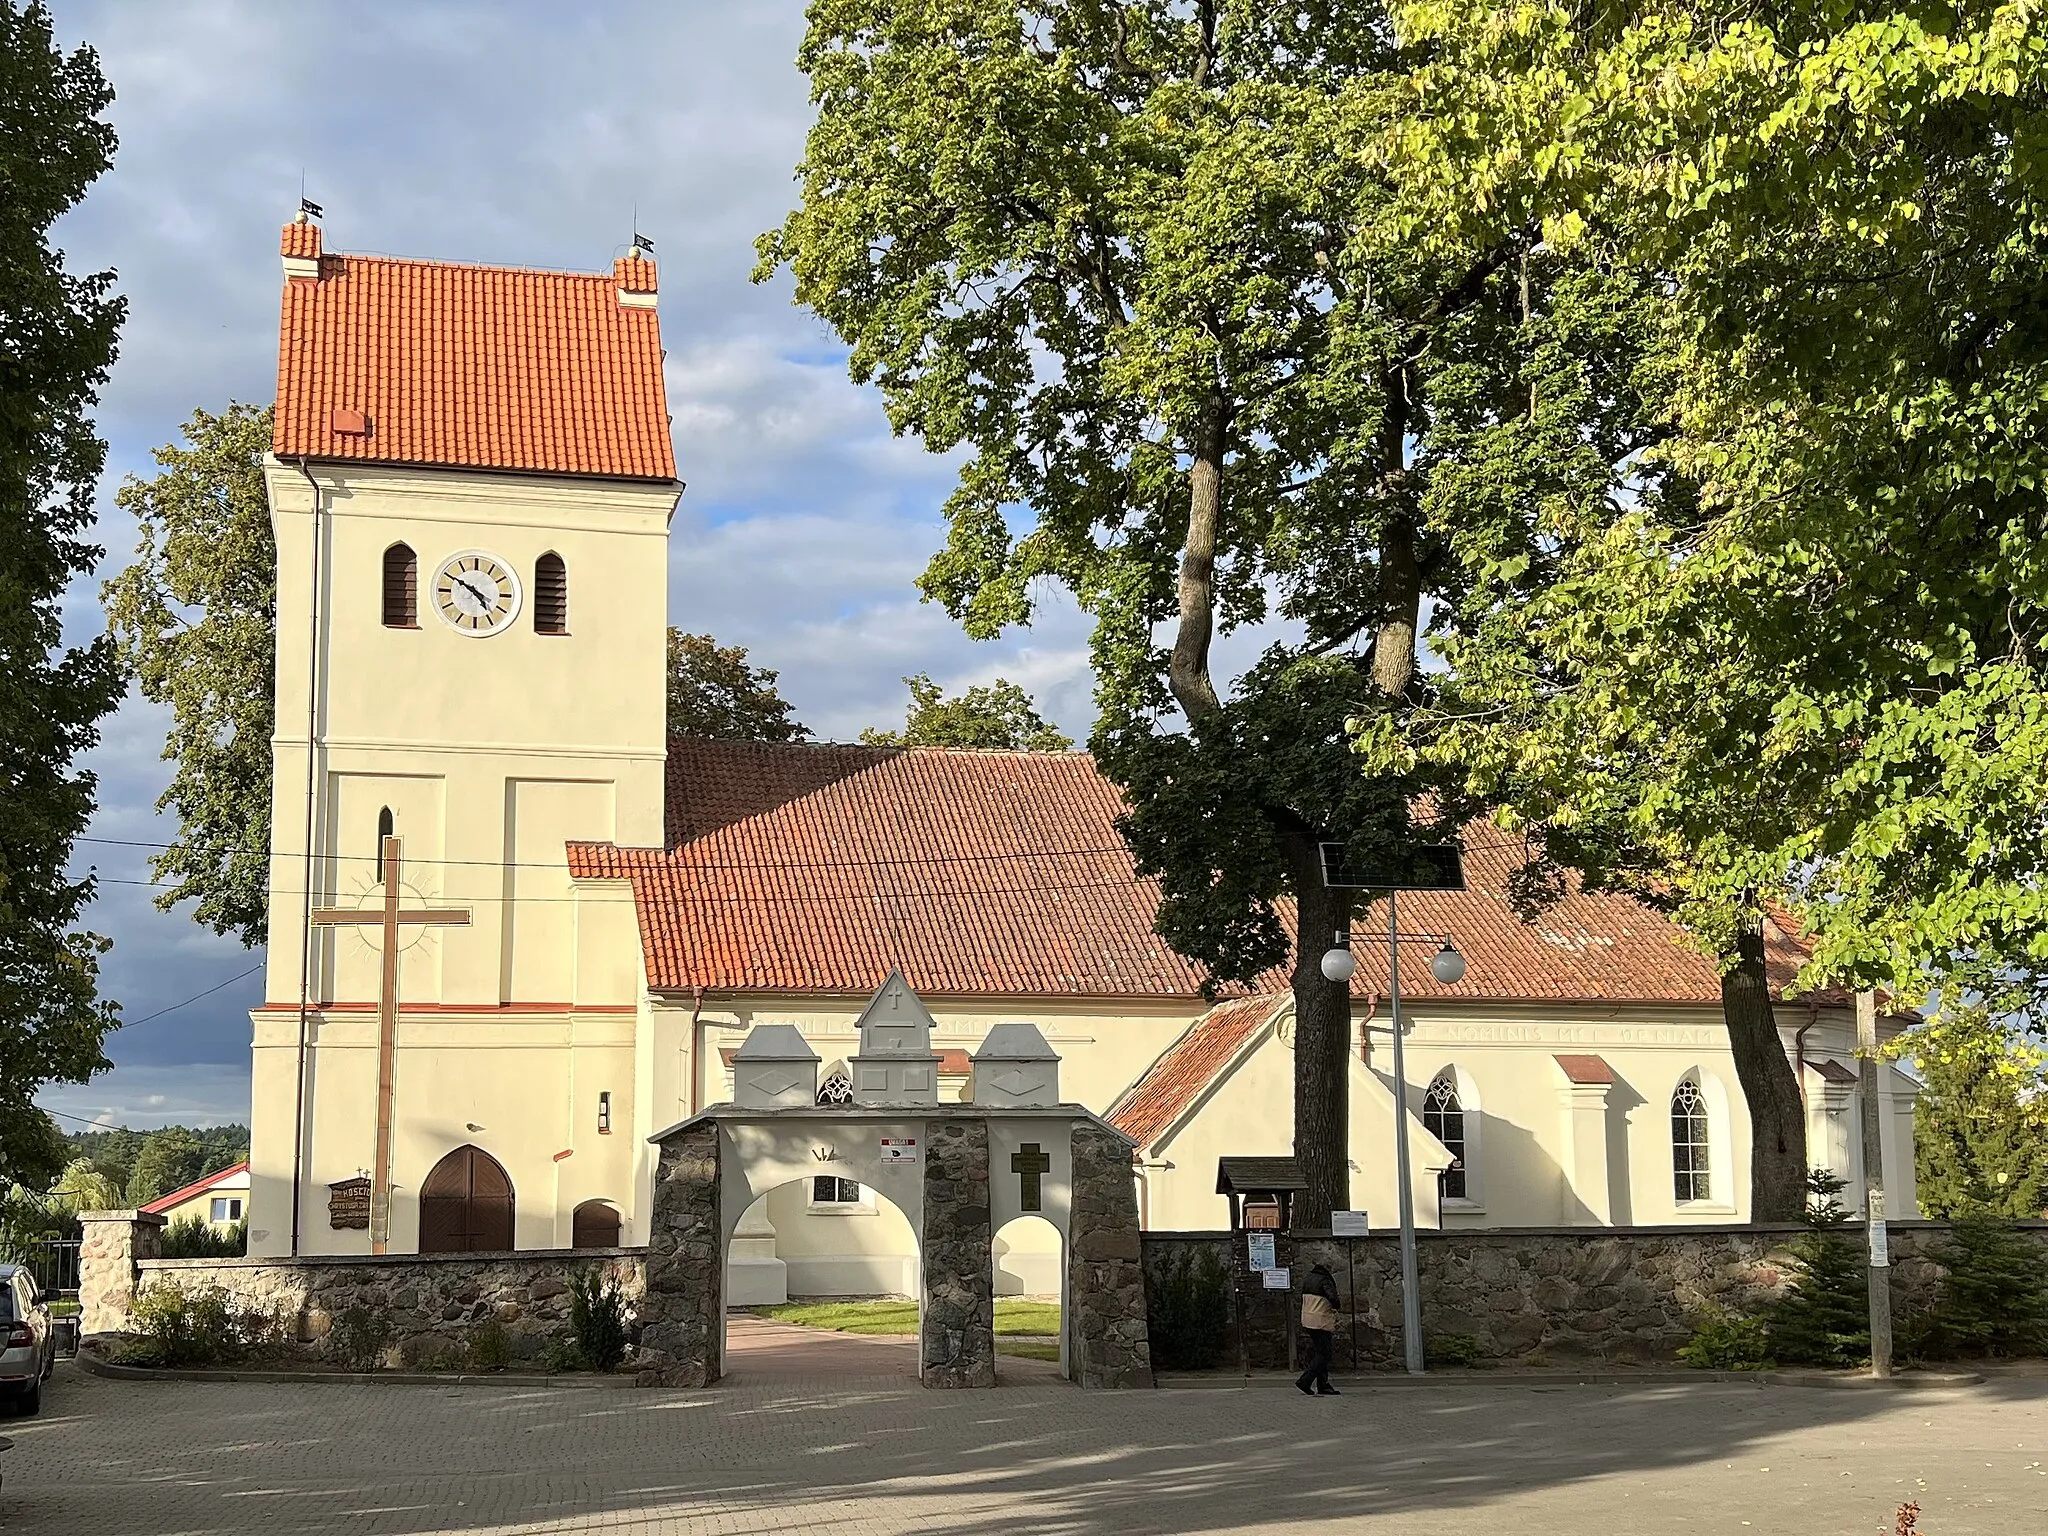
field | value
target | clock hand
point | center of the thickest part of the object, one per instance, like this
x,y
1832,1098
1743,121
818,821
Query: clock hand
x,y
474,591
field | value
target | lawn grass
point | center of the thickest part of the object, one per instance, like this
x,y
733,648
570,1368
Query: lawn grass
x,y
1012,1317
1030,1349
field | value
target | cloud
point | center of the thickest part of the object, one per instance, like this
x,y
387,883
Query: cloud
x,y
526,134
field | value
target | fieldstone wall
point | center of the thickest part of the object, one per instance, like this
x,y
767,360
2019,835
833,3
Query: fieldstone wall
x,y
112,1243
959,1343
682,1314
431,1302
1107,1332
1626,1295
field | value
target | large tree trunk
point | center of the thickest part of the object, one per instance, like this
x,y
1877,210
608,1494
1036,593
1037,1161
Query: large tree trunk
x,y
1188,672
1777,1120
1322,1045
1393,649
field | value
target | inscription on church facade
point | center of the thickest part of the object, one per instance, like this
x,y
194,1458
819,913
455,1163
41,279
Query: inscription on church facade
x,y
348,1204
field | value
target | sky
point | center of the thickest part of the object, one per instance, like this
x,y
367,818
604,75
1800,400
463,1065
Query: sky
x,y
514,134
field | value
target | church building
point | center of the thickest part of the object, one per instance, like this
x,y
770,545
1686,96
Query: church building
x,y
515,928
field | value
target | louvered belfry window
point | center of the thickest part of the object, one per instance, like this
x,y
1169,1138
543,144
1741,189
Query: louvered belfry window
x,y
401,588
550,596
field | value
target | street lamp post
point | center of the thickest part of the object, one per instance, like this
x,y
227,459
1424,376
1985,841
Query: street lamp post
x,y
1448,966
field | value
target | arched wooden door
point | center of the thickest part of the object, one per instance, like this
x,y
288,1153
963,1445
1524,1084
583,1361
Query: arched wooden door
x,y
466,1205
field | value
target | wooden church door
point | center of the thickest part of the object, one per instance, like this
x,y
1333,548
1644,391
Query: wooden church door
x,y
466,1205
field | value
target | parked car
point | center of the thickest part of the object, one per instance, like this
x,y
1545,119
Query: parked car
x,y
28,1341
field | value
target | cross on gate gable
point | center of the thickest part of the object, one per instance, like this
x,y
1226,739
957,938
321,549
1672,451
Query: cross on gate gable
x,y
1028,1162
388,917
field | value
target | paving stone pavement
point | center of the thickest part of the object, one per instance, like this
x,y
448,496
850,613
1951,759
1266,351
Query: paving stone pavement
x,y
844,1454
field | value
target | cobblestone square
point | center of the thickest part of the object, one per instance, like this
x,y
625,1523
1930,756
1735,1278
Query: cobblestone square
x,y
833,1438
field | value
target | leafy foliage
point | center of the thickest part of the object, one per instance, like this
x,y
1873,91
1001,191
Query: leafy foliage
x,y
1726,1341
1000,715
113,1153
199,1325
1980,1123
713,692
1142,266
170,1159
1816,657
597,1316
195,616
1189,1310
358,1338
489,1345
57,342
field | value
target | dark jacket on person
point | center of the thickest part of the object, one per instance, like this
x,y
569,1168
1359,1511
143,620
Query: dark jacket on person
x,y
1321,1282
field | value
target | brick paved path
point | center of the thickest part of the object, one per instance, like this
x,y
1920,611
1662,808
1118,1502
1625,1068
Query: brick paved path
x,y
875,1454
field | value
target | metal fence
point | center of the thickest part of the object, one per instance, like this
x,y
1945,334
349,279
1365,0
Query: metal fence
x,y
54,1263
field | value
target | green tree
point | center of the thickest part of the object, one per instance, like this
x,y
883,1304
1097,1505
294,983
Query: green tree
x,y
1825,671
83,1187
1980,1124
57,342
1000,715
170,1159
1144,266
713,692
196,619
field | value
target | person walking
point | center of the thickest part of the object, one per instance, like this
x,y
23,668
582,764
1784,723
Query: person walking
x,y
1319,1322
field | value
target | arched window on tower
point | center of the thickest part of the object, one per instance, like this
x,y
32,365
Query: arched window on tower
x,y
835,1088
550,595
1443,1116
1691,1153
384,826
401,588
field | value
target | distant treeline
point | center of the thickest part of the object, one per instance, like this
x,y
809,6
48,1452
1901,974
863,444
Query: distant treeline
x,y
147,1164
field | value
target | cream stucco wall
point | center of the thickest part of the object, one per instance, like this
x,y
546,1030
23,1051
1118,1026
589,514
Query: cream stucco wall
x,y
491,753
200,1207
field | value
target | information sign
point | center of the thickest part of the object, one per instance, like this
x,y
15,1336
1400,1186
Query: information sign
x,y
1348,1224
901,1149
1279,1279
1259,1254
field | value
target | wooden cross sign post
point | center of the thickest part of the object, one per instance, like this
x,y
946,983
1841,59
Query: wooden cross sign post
x,y
389,917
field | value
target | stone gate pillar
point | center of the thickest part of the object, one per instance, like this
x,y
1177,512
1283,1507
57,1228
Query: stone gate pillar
x,y
959,1342
1108,1333
682,1315
112,1242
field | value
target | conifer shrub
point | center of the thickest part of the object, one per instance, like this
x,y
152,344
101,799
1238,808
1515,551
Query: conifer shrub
x,y
1190,1311
1824,1319
1994,1299
597,1316
191,1237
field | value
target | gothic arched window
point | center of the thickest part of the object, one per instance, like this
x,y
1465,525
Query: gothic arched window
x,y
1691,1159
401,588
836,1087
384,826
1443,1116
550,595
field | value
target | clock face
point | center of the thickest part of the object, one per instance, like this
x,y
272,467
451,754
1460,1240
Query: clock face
x,y
476,593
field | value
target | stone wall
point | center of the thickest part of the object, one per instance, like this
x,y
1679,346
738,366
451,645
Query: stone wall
x,y
111,1244
1107,1332
431,1301
959,1343
682,1316
1571,1295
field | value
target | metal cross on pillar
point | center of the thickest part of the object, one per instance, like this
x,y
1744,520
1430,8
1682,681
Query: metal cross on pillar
x,y
389,917
1028,1162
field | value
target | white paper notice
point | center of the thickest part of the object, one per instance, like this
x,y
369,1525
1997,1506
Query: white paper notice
x,y
1347,1224
1259,1246
1279,1279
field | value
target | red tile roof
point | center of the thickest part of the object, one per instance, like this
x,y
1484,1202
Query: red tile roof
x,y
179,1196
1168,1088
1585,1071
808,868
497,368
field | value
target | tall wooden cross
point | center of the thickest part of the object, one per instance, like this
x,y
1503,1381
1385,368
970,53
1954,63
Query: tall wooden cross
x,y
389,917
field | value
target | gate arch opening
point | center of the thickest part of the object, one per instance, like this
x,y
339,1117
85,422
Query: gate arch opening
x,y
466,1205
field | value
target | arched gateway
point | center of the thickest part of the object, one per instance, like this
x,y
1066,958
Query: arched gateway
x,y
958,1171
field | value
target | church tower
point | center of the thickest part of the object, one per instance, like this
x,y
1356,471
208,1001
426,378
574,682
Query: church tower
x,y
471,481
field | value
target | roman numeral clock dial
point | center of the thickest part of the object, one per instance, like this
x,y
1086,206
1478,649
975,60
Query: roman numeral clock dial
x,y
476,593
